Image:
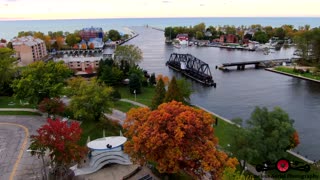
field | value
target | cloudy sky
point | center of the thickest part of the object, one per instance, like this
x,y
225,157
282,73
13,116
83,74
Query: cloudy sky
x,y
81,9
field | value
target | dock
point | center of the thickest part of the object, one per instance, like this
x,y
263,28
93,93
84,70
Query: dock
x,y
257,64
191,67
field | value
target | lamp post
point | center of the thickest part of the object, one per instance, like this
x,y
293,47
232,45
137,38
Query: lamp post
x,y
135,95
44,171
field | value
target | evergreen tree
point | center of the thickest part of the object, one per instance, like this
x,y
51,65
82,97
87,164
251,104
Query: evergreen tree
x,y
152,79
159,96
173,92
134,83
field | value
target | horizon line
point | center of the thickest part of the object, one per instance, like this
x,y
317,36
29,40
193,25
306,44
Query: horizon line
x,y
21,19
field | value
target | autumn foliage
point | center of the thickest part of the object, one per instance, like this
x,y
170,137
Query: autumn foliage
x,y
51,106
165,79
61,139
294,140
177,138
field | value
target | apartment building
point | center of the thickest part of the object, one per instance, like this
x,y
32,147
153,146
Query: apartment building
x,y
92,32
29,49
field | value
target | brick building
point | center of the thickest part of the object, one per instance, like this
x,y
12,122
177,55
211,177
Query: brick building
x,y
29,49
92,32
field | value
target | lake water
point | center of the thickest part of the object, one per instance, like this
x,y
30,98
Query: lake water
x,y
9,29
239,92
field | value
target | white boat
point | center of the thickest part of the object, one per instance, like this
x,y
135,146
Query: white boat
x,y
177,46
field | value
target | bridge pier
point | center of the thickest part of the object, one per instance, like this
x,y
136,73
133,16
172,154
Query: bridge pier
x,y
240,67
256,66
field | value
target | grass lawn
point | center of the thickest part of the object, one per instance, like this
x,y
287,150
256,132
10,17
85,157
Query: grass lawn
x,y
145,97
290,71
19,113
94,129
222,132
124,106
10,102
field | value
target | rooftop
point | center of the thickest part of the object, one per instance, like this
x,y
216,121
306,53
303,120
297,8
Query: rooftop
x,y
26,40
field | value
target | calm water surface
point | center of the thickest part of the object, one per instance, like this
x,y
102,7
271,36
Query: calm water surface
x,y
238,92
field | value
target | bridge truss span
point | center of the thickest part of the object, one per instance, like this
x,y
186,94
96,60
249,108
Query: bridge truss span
x,y
191,67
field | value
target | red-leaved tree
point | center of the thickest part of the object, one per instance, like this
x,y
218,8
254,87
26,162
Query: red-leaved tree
x,y
177,138
51,106
61,140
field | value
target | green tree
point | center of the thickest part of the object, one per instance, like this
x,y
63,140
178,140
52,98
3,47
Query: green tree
x,y
280,33
199,27
40,80
261,37
152,79
159,95
7,65
272,132
134,84
73,39
199,35
168,33
129,53
114,35
9,45
185,90
173,92
241,144
90,100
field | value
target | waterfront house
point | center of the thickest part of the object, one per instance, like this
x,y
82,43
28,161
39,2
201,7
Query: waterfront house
x,y
229,38
92,32
97,42
182,38
29,49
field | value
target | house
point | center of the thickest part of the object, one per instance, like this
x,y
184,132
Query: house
x,y
97,42
81,64
83,45
182,37
229,38
92,32
29,49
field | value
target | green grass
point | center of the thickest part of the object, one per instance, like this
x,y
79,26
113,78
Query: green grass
x,y
94,129
145,97
5,101
19,113
124,106
290,71
222,131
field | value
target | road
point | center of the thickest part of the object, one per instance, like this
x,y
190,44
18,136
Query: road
x,y
15,162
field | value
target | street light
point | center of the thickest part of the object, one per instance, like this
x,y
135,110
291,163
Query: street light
x,y
135,95
43,163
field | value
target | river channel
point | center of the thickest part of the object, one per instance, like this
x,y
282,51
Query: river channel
x,y
239,92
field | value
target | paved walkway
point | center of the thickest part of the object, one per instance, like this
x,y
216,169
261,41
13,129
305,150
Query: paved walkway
x,y
133,102
19,109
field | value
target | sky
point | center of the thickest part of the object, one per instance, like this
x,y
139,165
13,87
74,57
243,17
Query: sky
x,y
87,9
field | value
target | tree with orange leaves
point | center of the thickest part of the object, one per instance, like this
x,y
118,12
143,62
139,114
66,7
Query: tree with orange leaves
x,y
165,79
177,138
91,46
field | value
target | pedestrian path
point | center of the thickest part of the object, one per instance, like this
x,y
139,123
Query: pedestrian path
x,y
133,102
19,109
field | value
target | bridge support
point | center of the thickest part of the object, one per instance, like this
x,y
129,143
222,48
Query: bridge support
x,y
240,67
256,66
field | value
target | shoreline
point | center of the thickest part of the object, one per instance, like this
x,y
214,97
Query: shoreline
x,y
292,75
230,122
